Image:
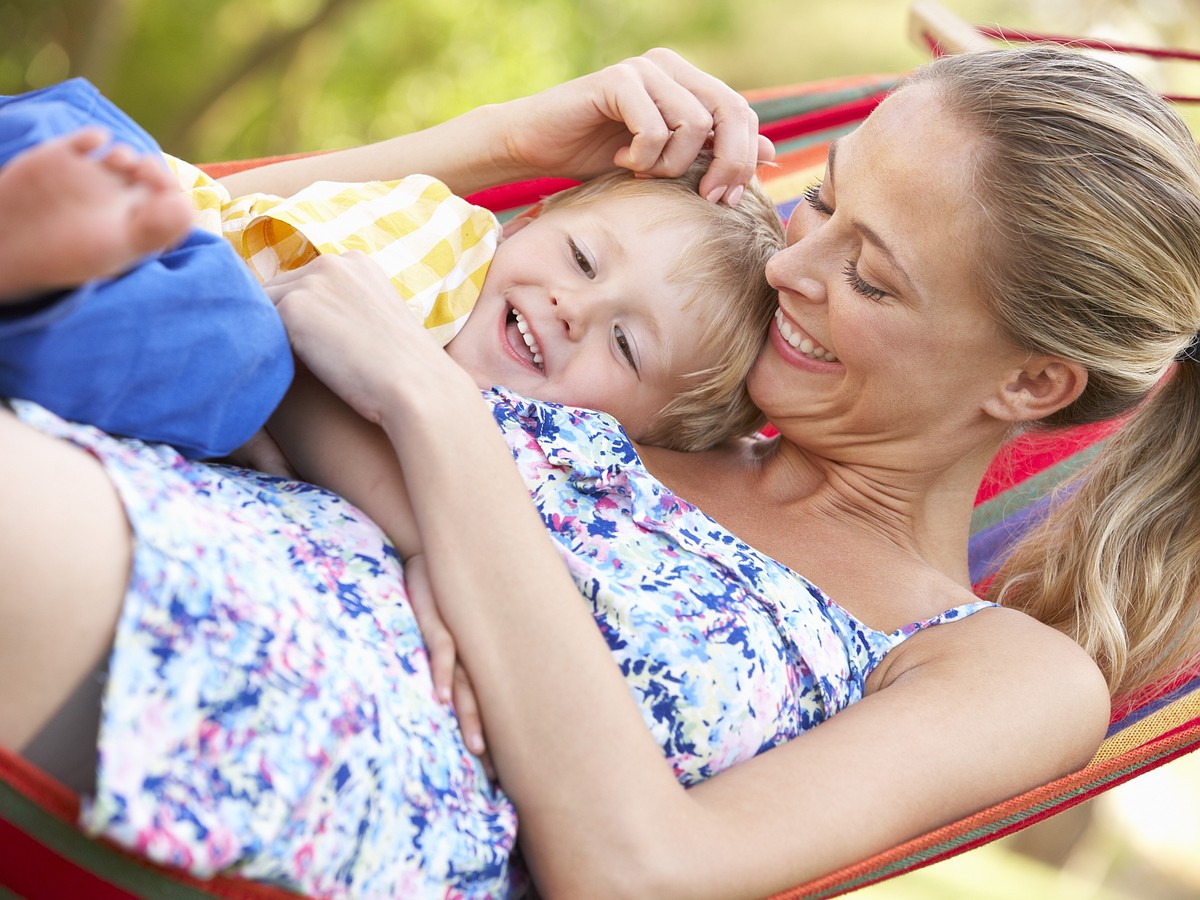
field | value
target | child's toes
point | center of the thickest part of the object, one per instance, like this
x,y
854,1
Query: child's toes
x,y
87,140
159,221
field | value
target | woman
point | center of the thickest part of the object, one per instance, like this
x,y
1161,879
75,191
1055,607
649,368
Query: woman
x,y
866,491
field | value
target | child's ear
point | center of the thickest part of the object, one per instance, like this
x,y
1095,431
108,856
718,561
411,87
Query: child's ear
x,y
1041,386
516,223
513,225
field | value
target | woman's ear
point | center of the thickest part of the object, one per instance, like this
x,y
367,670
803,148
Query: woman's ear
x,y
1041,386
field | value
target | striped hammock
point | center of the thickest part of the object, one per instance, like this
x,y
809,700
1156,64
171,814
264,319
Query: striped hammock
x,y
43,854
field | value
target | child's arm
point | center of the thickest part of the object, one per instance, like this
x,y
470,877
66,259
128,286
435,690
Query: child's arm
x,y
329,444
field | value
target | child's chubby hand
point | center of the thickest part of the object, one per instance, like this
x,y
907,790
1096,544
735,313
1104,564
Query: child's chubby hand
x,y
262,453
346,322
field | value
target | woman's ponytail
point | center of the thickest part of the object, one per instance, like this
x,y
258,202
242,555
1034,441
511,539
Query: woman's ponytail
x,y
1118,566
1092,189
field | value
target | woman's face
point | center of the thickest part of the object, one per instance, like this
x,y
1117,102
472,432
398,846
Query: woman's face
x,y
880,331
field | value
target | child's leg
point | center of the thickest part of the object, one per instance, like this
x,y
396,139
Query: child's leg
x,y
65,551
72,210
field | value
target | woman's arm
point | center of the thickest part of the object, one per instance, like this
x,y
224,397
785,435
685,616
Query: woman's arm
x,y
650,114
972,712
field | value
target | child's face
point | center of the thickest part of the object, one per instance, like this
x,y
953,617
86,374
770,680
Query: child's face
x,y
586,287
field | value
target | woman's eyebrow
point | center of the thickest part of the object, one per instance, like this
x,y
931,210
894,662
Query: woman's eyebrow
x,y
879,244
865,230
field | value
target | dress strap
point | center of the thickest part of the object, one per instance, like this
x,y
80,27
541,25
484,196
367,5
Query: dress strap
x,y
950,615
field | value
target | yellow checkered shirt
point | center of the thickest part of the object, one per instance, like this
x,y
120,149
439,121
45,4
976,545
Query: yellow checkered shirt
x,y
434,246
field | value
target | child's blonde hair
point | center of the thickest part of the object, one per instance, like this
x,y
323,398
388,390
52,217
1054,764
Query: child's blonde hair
x,y
725,263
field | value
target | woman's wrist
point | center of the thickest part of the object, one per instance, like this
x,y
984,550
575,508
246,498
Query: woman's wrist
x,y
479,150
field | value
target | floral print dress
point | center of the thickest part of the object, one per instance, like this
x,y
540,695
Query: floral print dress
x,y
269,709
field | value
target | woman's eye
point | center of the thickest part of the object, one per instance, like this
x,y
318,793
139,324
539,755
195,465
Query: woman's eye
x,y
813,198
623,346
585,265
859,286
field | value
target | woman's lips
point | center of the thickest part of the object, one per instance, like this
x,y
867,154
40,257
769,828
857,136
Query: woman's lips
x,y
798,340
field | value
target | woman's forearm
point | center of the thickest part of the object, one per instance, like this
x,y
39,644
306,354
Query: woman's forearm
x,y
460,152
533,653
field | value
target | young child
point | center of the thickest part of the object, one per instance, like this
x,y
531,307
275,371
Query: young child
x,y
635,297
183,347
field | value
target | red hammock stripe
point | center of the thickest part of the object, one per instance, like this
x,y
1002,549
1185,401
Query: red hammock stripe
x,y
1011,34
820,119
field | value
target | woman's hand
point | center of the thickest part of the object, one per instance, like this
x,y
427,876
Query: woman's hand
x,y
651,114
450,679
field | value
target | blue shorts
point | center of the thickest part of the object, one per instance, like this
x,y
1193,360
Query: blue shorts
x,y
184,349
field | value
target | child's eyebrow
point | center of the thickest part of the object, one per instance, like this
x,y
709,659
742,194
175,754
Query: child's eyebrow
x,y
614,245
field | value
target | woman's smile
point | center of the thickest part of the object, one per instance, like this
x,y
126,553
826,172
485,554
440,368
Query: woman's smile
x,y
799,340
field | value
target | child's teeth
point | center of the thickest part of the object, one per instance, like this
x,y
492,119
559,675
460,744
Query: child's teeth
x,y
532,344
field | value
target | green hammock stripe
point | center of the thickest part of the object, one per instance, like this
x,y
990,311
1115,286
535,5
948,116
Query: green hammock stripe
x,y
1027,492
88,854
776,108
782,148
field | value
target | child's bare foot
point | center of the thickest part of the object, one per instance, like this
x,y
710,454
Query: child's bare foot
x,y
71,211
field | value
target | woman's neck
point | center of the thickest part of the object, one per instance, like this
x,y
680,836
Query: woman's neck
x,y
777,496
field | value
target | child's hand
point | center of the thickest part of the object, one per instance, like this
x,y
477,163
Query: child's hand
x,y
450,679
349,326
262,453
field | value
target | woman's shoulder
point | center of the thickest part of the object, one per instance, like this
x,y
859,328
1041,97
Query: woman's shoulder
x,y
1012,665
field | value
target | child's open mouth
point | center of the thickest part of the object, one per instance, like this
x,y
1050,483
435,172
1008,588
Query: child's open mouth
x,y
527,342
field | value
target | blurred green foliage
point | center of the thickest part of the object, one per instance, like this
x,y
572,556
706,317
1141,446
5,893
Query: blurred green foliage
x,y
221,79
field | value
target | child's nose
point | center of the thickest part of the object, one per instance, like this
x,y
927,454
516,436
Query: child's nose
x,y
575,311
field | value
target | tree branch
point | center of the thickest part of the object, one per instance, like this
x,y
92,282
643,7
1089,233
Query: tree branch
x,y
267,52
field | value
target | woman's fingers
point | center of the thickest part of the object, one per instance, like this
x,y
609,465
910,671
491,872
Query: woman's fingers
x,y
736,144
439,643
466,710
652,114
668,123
673,109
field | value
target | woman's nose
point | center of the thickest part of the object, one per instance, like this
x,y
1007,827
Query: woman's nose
x,y
794,270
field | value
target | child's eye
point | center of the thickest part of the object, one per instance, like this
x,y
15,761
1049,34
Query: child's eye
x,y
581,260
813,198
623,346
859,286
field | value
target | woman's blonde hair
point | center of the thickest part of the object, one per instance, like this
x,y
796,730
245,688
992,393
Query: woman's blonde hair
x,y
725,265
1092,189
